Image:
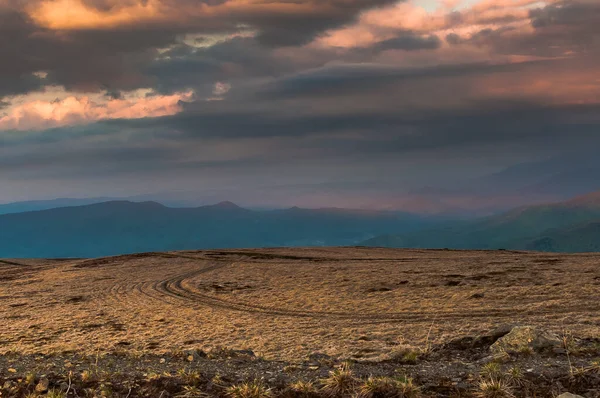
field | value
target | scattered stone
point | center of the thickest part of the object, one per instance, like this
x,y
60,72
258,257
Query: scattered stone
x,y
492,336
523,339
43,385
318,356
379,289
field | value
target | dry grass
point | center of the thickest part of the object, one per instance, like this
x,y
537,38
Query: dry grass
x,y
340,383
253,389
387,387
304,389
346,302
495,388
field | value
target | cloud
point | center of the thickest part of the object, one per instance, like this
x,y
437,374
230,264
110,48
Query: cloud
x,y
27,113
306,90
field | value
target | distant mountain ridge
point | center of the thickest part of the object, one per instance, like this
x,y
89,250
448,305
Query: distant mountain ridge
x,y
569,226
117,227
34,205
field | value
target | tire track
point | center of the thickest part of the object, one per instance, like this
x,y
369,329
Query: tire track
x,y
174,287
173,290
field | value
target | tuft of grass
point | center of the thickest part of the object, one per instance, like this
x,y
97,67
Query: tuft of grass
x,y
516,376
411,357
304,389
190,377
340,383
56,394
405,355
253,389
491,370
495,388
192,392
408,388
378,387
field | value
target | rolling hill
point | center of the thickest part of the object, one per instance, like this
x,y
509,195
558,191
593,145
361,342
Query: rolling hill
x,y
35,205
566,226
119,227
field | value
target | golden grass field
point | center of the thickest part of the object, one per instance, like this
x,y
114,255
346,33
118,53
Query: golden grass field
x,y
288,303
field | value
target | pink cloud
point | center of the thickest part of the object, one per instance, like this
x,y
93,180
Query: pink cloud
x,y
384,23
33,114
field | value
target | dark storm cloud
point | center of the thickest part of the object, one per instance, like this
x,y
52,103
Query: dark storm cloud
x,y
184,66
165,144
92,59
410,42
87,61
358,78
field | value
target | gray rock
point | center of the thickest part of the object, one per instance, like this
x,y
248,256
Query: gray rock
x,y
522,339
492,336
569,395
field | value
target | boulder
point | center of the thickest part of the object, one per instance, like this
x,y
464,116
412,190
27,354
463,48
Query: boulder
x,y
489,338
526,339
569,395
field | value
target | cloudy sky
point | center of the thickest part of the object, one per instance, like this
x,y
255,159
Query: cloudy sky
x,y
355,103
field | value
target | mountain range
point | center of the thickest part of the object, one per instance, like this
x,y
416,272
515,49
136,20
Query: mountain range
x,y
570,226
118,227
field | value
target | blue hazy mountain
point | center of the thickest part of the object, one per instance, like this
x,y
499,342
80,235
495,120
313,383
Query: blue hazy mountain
x,y
117,227
34,205
569,226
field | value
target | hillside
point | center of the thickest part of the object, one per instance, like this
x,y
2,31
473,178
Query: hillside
x,y
583,238
551,227
119,227
35,205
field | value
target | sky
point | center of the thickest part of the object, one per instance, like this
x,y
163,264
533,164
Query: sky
x,y
418,105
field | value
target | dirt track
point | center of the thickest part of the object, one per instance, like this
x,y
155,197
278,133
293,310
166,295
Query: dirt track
x,y
287,303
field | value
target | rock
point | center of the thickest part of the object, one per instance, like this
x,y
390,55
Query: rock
x,y
569,395
523,339
318,356
461,343
492,336
43,385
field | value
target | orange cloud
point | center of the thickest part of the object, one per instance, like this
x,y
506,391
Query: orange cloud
x,y
381,24
34,114
76,15
73,14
